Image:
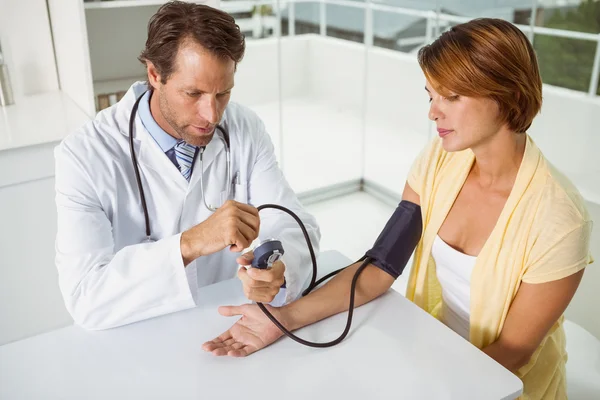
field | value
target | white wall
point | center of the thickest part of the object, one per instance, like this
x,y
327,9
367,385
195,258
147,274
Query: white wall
x,y
567,132
397,127
336,72
30,301
72,53
327,69
116,38
585,305
257,77
27,43
318,126
323,126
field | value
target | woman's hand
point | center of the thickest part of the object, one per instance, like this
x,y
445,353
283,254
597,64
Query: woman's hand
x,y
252,332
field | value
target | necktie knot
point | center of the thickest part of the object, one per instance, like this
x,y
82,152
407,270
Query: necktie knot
x,y
185,153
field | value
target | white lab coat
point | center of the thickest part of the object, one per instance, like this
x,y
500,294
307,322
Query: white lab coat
x,y
107,276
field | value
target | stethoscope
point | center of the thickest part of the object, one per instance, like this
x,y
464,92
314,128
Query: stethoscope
x,y
268,251
224,136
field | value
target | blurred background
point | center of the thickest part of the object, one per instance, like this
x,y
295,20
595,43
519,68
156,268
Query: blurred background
x,y
336,83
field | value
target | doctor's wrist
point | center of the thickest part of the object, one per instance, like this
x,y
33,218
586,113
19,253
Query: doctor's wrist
x,y
188,251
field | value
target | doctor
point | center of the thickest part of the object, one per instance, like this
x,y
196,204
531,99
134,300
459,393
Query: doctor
x,y
110,272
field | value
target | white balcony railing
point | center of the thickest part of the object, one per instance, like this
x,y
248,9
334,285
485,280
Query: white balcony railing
x,y
433,20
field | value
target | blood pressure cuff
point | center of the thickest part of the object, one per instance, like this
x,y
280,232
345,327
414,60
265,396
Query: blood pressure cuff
x,y
398,240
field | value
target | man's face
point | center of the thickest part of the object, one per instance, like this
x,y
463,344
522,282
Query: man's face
x,y
193,99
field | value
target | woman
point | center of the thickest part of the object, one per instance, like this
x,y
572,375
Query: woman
x,y
505,236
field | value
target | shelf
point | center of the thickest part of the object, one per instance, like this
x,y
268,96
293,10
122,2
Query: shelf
x,y
111,88
116,85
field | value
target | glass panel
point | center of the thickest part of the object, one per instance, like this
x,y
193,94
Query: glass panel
x,y
256,21
406,33
404,29
517,11
322,99
345,22
257,76
567,62
397,127
454,12
305,17
422,5
573,15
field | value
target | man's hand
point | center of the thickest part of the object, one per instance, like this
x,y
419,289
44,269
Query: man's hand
x,y
260,285
233,224
250,333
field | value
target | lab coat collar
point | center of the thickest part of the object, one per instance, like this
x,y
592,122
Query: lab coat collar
x,y
124,106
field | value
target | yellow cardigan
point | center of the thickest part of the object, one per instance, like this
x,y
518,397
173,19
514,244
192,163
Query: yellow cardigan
x,y
542,234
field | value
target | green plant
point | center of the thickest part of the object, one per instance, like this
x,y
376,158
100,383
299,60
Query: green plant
x,y
568,62
262,10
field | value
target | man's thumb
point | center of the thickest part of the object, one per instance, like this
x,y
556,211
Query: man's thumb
x,y
230,311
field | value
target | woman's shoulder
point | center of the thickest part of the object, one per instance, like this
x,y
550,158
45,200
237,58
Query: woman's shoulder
x,y
561,189
561,227
561,207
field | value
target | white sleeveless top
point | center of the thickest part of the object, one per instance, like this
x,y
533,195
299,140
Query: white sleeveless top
x,y
453,270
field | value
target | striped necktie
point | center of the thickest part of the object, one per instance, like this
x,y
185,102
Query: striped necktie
x,y
185,157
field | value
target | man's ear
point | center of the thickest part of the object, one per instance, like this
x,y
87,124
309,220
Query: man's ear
x,y
153,76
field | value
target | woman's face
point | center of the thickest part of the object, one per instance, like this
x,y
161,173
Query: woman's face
x,y
463,122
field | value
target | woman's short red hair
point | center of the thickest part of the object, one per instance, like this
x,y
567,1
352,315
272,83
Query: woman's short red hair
x,y
490,58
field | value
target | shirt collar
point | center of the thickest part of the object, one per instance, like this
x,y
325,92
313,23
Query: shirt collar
x,y
162,138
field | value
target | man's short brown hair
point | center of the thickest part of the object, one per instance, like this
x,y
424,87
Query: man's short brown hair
x,y
176,21
490,58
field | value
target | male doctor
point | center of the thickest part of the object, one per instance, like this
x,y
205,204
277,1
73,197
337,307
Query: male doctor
x,y
108,274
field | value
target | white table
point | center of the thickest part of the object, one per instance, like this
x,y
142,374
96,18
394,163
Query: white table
x,y
394,350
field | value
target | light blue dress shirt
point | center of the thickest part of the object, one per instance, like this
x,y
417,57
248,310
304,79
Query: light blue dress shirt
x,y
165,141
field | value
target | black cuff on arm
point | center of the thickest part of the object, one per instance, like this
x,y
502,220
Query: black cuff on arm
x,y
398,240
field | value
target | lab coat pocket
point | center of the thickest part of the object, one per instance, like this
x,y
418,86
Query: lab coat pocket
x,y
240,193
